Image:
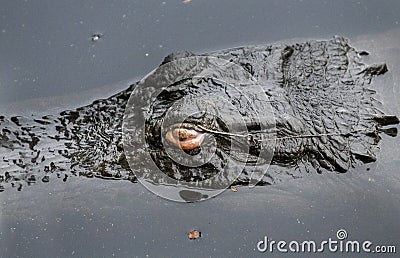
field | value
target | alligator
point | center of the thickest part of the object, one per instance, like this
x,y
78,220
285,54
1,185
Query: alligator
x,y
326,119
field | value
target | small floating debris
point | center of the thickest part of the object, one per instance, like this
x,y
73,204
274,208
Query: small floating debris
x,y
194,234
96,37
45,179
362,53
234,189
186,1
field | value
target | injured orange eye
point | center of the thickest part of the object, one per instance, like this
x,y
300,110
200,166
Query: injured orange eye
x,y
185,139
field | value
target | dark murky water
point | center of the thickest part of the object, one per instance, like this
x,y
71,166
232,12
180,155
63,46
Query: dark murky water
x,y
49,63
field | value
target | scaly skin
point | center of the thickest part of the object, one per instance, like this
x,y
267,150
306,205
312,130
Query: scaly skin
x,y
327,119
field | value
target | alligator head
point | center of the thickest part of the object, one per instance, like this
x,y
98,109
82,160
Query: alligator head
x,y
311,112
279,111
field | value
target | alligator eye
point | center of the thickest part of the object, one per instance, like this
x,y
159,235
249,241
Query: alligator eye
x,y
186,139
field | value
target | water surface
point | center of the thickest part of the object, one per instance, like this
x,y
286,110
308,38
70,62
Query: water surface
x,y
49,63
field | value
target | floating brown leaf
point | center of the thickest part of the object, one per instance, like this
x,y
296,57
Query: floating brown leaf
x,y
194,234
